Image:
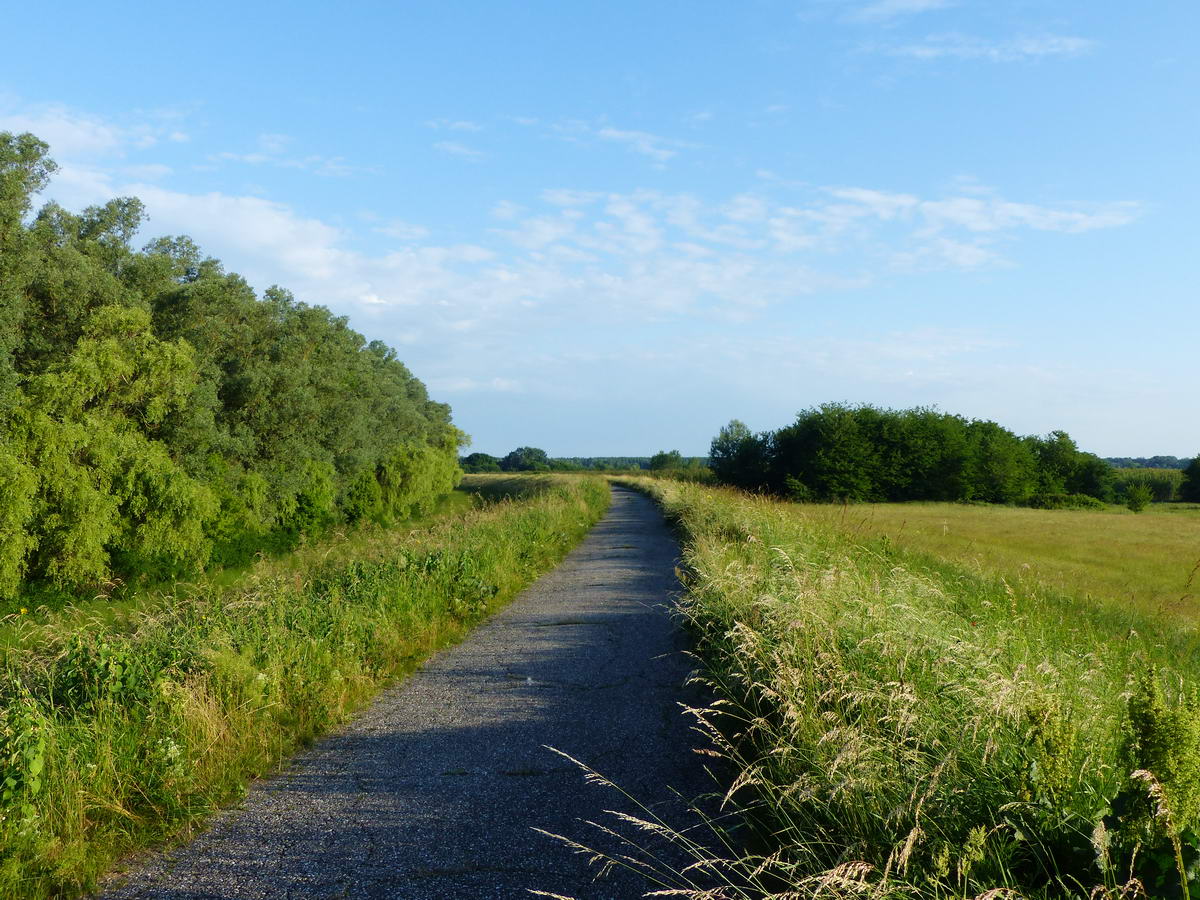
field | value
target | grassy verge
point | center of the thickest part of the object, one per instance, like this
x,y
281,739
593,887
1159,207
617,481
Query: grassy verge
x,y
905,727
122,728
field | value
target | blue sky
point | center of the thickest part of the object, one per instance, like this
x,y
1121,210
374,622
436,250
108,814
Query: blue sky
x,y
609,228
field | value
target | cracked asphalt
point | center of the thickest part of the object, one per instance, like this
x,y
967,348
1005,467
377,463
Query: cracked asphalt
x,y
434,790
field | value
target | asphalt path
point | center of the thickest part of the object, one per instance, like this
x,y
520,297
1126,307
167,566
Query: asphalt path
x,y
435,790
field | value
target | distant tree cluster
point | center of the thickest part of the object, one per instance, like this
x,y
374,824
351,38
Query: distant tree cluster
x,y
533,459
1146,462
155,414
865,453
523,459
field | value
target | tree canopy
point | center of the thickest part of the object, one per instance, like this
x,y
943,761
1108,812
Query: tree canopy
x,y
156,414
843,452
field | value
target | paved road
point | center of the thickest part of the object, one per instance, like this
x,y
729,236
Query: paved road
x,y
434,791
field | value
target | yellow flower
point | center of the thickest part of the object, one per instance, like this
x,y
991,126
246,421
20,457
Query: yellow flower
x,y
23,610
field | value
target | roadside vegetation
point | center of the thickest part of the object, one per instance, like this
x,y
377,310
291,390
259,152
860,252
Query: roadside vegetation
x,y
904,726
124,725
157,417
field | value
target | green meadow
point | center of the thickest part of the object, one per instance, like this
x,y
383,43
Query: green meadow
x,y
1148,561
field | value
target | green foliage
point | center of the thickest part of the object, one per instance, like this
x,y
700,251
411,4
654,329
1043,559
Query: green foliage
x,y
526,459
739,457
941,733
838,452
1138,496
1165,485
1190,488
114,733
155,412
1146,462
666,459
1155,816
1065,501
480,462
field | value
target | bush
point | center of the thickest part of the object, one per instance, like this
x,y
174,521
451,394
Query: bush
x,y
1138,497
1065,501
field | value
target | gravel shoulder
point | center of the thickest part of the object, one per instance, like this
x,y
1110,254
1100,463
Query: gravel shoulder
x,y
435,789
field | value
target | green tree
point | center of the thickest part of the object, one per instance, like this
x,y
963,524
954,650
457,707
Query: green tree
x,y
739,457
666,459
153,408
1190,489
480,462
525,459
25,168
832,450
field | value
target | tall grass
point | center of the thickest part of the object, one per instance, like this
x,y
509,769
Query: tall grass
x,y
907,728
119,730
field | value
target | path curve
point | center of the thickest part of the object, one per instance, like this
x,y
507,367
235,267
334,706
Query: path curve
x,y
434,790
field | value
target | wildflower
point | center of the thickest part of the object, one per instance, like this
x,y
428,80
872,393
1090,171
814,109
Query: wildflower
x,y
24,610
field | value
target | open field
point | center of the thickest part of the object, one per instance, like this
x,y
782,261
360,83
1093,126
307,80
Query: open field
x,y
1147,561
123,726
906,727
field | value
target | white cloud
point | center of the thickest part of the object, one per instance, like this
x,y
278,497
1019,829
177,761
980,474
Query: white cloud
x,y
457,385
993,214
746,208
657,148
403,231
274,144
569,261
880,204
453,125
453,148
967,47
67,132
74,135
561,197
271,150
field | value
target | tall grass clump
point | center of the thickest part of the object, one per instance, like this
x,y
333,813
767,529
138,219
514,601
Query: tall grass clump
x,y
902,727
121,728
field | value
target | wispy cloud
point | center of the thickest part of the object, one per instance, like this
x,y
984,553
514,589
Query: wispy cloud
x,y
403,231
453,125
71,133
453,148
651,145
656,147
967,47
482,318
272,150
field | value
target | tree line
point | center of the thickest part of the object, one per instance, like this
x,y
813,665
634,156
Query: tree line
x,y
1147,462
534,459
865,453
157,415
